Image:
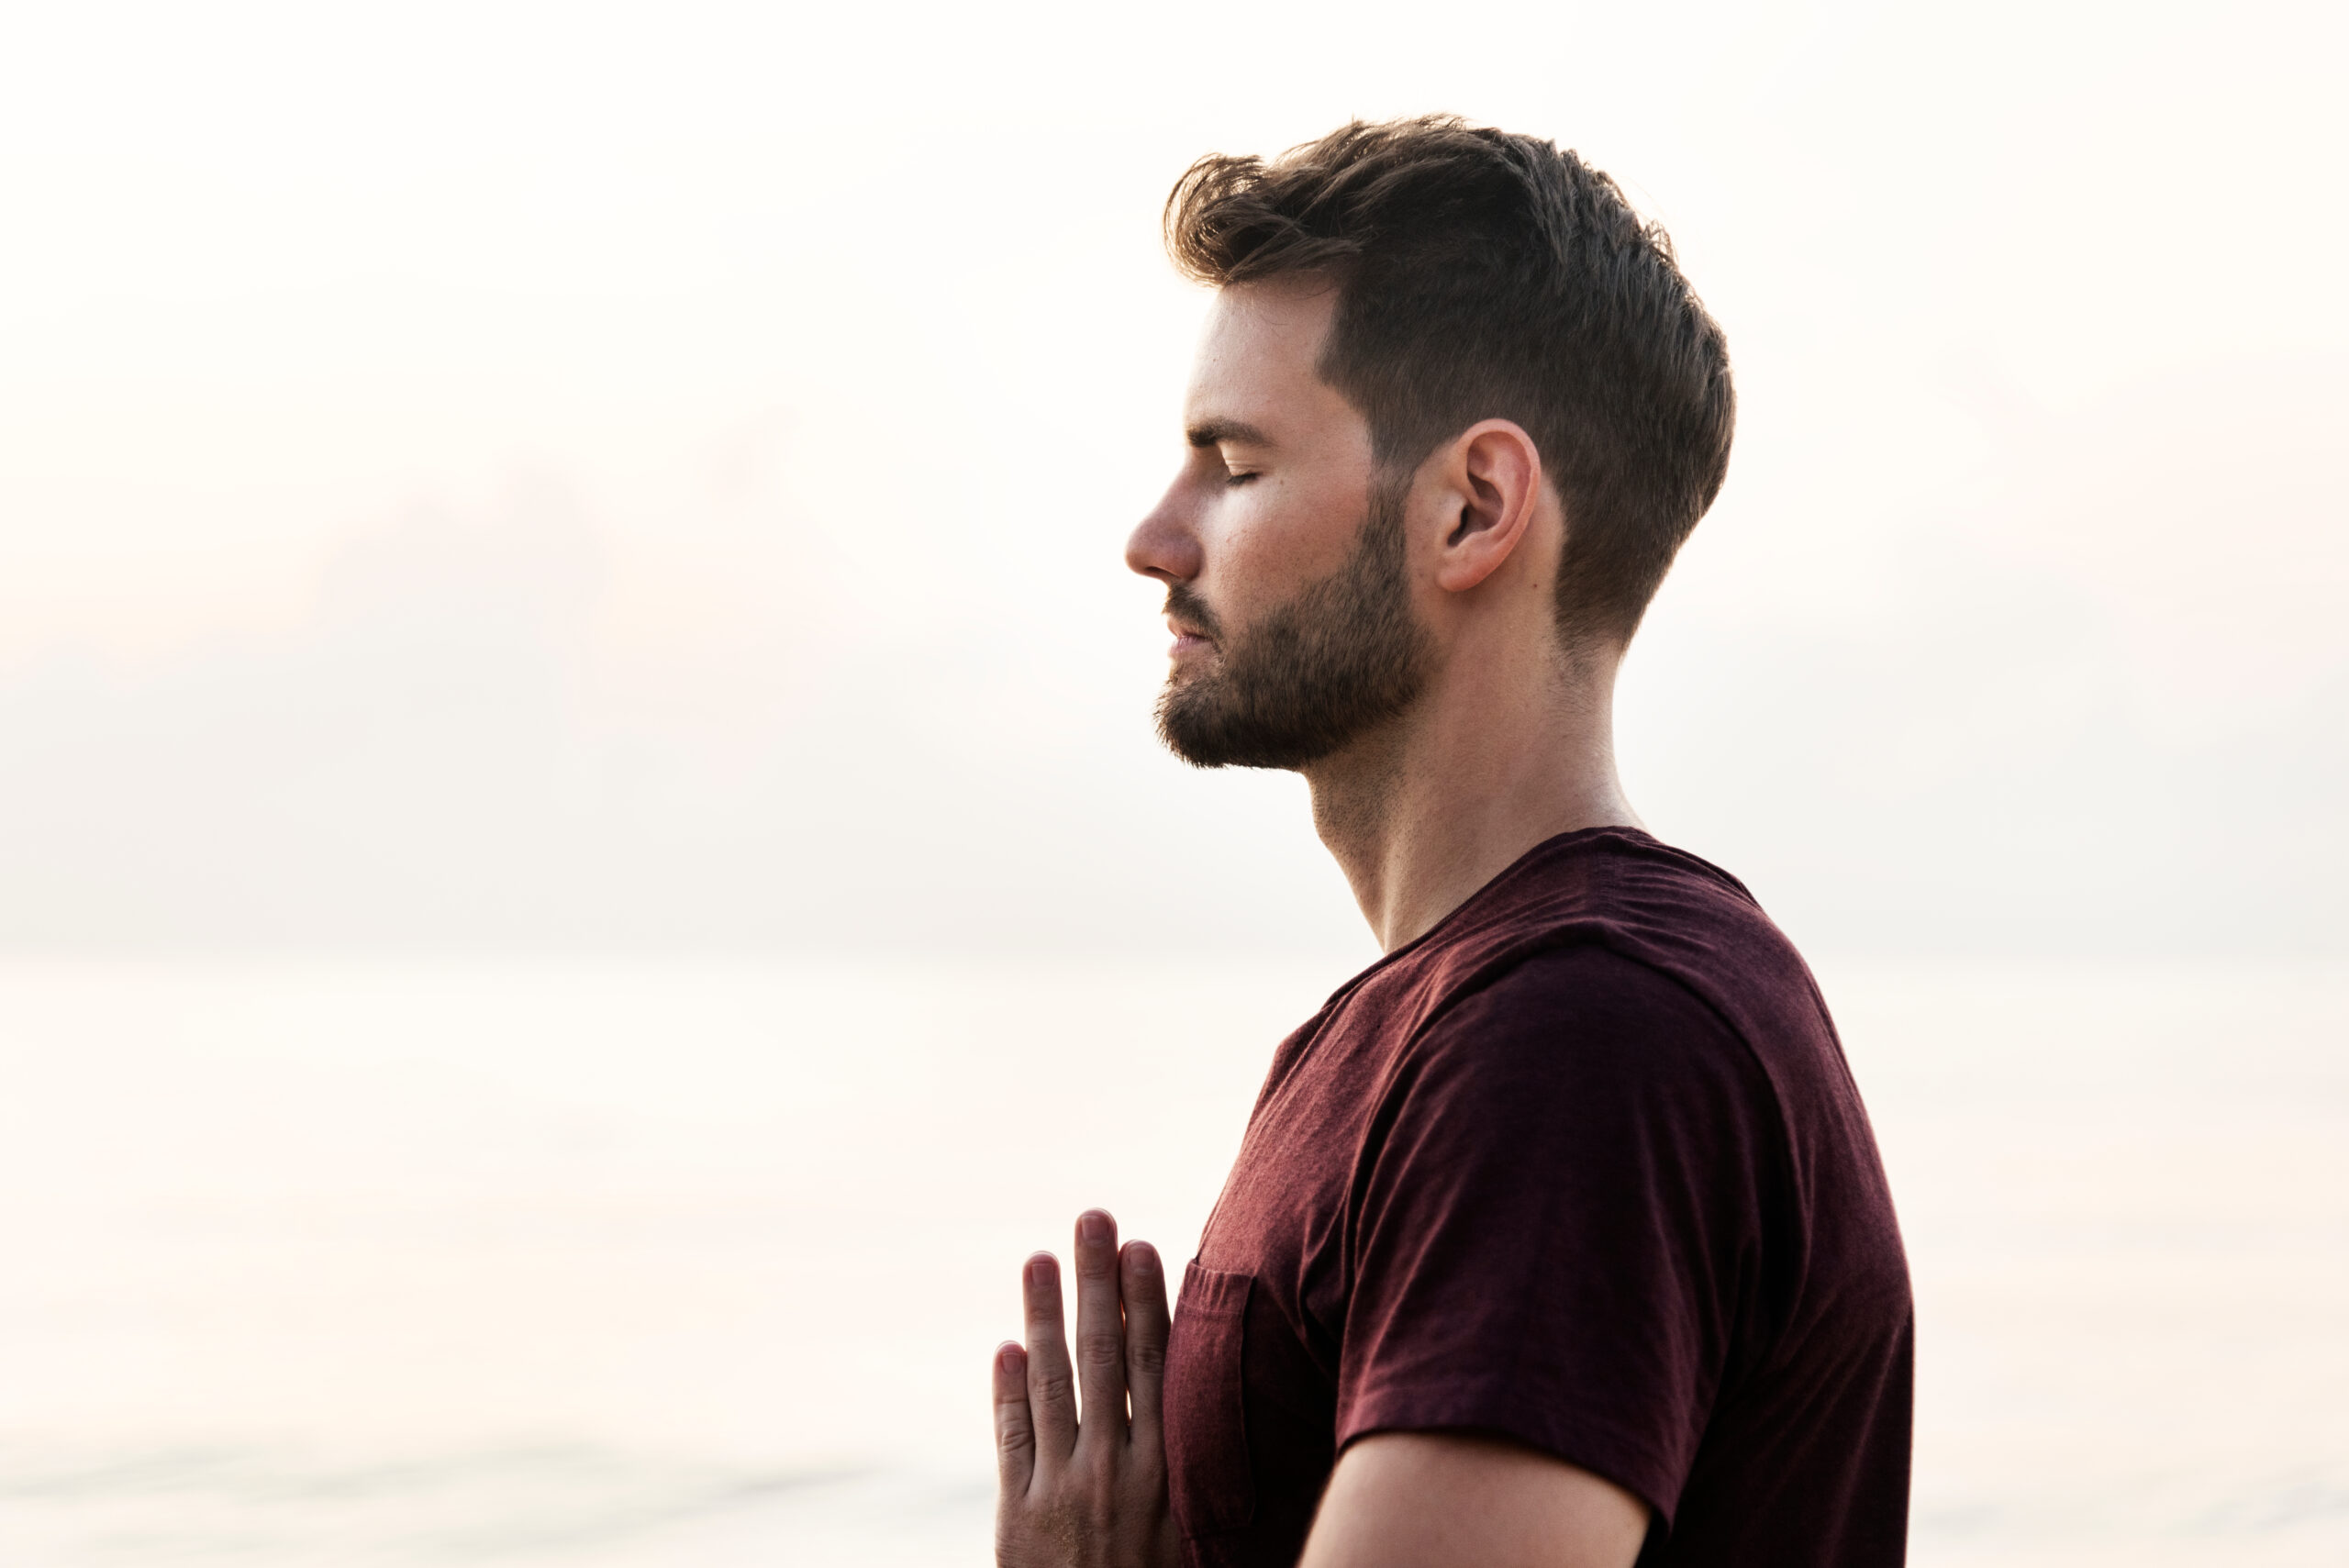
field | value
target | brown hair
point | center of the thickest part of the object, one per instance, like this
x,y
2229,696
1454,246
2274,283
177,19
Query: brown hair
x,y
1485,275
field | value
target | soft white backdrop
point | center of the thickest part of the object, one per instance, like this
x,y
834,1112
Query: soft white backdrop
x,y
582,866
545,476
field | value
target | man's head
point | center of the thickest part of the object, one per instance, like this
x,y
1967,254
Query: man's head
x,y
1399,303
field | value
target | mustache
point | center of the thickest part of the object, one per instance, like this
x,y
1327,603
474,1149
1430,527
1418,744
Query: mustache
x,y
1189,608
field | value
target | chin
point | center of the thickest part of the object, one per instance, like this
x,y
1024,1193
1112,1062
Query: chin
x,y
1186,672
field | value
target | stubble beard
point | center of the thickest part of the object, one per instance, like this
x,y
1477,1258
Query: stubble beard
x,y
1343,657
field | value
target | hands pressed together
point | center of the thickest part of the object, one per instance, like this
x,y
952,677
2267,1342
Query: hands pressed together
x,y
1082,1455
1084,1485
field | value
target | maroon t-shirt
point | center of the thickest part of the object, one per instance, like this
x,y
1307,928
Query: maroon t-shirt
x,y
1582,1166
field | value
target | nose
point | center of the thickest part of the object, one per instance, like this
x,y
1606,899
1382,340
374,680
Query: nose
x,y
1162,544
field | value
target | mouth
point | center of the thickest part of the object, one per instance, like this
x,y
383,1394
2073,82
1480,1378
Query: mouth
x,y
1188,639
1191,623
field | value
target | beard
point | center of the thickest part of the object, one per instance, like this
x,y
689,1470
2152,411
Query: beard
x,y
1341,658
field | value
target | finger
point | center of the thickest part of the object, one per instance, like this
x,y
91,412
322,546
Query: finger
x,y
1015,1431
1051,1395
1143,1285
1100,1327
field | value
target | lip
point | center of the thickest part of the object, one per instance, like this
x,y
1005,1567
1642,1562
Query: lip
x,y
1188,640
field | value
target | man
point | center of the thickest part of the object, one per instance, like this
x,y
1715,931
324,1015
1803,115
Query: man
x,y
1558,1237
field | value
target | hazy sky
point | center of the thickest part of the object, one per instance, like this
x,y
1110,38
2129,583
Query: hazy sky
x,y
525,475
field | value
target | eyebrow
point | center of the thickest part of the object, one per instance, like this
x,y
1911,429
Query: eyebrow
x,y
1215,432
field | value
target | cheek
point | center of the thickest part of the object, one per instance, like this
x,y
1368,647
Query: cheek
x,y
1270,539
1245,569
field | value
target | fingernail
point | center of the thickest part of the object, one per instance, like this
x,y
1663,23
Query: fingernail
x,y
1007,1355
1094,1228
1040,1269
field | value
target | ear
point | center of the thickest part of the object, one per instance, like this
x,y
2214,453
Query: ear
x,y
1489,485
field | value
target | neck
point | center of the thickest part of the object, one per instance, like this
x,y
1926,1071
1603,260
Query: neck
x,y
1429,808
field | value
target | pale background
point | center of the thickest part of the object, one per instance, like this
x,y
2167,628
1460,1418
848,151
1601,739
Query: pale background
x,y
580,847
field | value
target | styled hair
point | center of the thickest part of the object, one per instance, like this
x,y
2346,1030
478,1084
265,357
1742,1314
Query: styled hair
x,y
1485,275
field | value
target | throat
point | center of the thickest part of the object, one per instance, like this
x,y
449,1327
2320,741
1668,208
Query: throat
x,y
1365,812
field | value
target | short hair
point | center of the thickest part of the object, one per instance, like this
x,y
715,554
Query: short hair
x,y
1487,275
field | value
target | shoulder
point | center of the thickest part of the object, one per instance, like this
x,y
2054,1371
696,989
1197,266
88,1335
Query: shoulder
x,y
1585,1022
1616,898
1581,997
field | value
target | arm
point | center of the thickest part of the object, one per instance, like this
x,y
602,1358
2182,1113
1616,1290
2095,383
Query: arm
x,y
1448,1500
1552,1244
1089,1491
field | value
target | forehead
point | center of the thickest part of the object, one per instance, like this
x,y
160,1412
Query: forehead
x,y
1257,357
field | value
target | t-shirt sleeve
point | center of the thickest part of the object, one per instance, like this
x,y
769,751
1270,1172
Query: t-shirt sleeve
x,y
1557,1221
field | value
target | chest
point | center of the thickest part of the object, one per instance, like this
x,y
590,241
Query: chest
x,y
1284,1217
